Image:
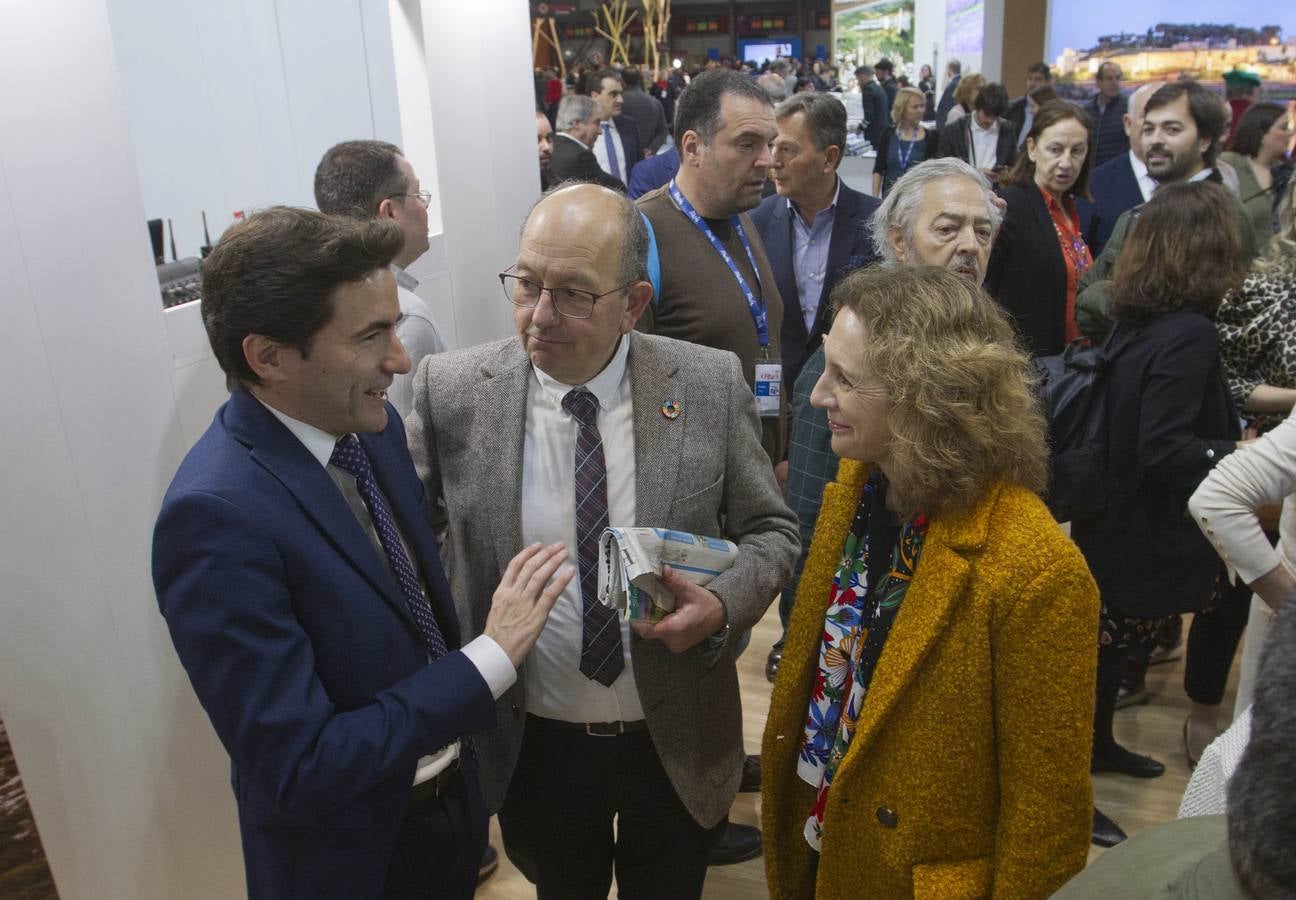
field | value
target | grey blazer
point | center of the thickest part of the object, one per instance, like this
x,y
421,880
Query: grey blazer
x,y
702,472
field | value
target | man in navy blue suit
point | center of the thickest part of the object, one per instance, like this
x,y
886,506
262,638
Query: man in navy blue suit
x,y
300,579
1120,183
815,230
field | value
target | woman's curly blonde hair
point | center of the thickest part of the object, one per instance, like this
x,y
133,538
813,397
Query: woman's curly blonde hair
x,y
960,391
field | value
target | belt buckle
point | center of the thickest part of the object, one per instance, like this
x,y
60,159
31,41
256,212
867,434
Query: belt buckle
x,y
605,729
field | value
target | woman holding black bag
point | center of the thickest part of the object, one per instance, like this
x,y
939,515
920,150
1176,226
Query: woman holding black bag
x,y
1170,420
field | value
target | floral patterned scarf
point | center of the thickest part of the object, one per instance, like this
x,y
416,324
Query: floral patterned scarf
x,y
855,628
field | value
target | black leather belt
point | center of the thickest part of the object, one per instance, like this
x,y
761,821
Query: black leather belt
x,y
435,786
595,729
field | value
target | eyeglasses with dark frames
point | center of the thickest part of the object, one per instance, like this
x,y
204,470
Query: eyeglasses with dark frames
x,y
570,302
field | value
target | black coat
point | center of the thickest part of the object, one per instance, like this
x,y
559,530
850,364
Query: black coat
x,y
1027,272
931,142
1171,419
571,160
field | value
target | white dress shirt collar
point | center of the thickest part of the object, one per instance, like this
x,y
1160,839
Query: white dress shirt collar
x,y
1147,184
318,443
403,278
603,386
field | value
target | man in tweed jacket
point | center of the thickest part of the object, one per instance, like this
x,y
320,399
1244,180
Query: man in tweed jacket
x,y
659,743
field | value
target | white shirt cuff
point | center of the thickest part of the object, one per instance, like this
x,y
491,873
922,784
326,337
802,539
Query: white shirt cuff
x,y
492,663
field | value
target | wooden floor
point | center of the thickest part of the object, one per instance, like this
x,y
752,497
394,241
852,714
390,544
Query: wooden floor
x,y
1135,804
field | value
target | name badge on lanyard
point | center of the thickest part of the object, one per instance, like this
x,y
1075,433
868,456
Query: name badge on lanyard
x,y
768,384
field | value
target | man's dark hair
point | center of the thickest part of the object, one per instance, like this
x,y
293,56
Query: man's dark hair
x,y
1261,815
1099,74
1040,68
885,65
274,274
825,116
1253,126
594,83
992,99
864,70
698,108
632,78
355,176
1205,106
1183,253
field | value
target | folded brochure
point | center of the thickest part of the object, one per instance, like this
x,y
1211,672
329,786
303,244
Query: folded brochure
x,y
630,566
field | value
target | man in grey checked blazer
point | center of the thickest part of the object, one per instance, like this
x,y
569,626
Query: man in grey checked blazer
x,y
494,442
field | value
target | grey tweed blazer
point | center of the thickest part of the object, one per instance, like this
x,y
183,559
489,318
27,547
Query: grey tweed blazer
x,y
702,472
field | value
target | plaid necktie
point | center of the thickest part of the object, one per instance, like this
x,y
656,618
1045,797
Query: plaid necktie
x,y
600,632
611,152
349,455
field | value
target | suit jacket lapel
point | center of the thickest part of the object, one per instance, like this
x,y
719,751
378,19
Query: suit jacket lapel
x,y
779,253
1048,234
500,400
659,441
401,493
276,449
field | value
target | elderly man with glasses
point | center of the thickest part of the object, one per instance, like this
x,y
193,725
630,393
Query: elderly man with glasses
x,y
372,180
578,423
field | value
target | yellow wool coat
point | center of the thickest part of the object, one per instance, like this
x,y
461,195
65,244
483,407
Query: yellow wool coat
x,y
968,774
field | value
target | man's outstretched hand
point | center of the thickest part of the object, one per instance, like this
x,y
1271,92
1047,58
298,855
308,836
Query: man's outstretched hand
x,y
531,585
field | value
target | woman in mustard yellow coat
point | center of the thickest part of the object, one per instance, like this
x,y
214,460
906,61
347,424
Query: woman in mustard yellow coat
x,y
930,727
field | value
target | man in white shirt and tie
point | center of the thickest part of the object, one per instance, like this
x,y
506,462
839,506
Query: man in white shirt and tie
x,y
617,147
576,424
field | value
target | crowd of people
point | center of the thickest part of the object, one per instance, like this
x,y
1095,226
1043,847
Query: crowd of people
x,y
380,565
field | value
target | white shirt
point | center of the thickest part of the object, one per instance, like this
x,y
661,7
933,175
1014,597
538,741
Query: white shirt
x,y
555,687
601,154
418,333
984,146
488,657
1147,184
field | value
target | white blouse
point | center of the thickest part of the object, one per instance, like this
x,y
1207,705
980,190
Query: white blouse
x,y
1257,474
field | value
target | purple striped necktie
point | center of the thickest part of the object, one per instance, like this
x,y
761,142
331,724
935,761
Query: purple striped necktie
x,y
349,455
601,657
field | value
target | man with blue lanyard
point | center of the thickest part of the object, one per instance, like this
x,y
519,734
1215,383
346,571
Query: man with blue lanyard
x,y
717,287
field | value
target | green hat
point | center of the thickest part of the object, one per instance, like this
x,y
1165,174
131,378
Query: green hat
x,y
1237,78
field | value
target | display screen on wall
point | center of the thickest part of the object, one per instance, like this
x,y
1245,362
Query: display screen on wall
x,y
1168,39
759,51
866,32
964,26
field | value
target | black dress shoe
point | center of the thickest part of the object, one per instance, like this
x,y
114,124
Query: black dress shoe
x,y
1123,762
489,863
1106,833
739,843
772,663
1132,693
751,776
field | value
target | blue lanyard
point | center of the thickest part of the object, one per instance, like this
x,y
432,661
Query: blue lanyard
x,y
757,309
901,155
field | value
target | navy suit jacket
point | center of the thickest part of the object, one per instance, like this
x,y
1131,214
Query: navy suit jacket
x,y
301,648
1115,189
851,247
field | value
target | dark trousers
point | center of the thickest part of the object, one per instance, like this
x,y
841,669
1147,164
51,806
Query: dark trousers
x,y
1213,641
558,813
440,844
